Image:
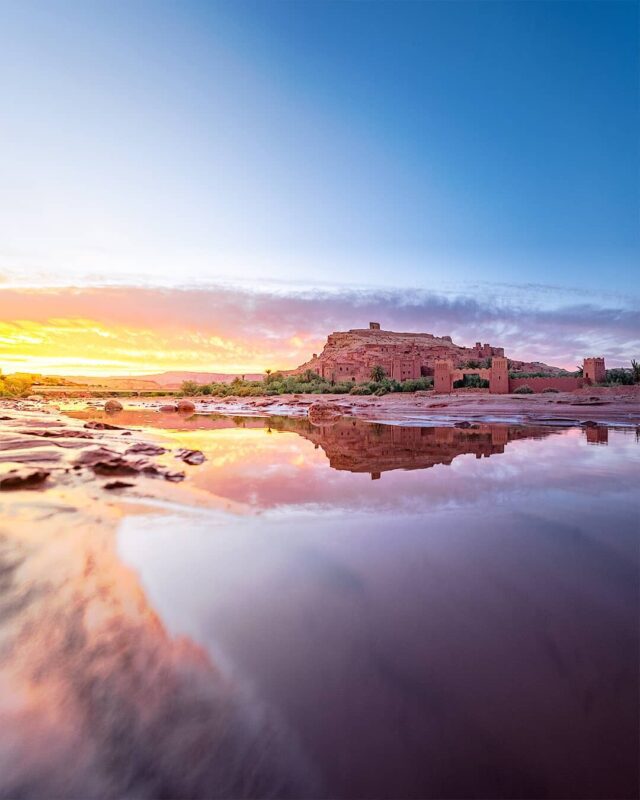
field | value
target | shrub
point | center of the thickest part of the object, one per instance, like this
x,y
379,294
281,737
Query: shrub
x,y
15,386
550,389
523,390
190,388
471,382
380,392
620,376
360,390
415,385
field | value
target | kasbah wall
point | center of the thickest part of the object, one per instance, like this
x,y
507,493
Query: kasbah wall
x,y
351,355
500,383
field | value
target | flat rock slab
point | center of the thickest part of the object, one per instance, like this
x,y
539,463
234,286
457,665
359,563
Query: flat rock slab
x,y
191,456
146,448
118,485
16,479
58,433
102,426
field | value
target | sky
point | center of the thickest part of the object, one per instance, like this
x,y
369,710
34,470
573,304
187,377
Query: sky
x,y
219,185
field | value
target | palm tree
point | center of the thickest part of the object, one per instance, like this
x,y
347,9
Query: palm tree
x,y
635,370
378,374
579,371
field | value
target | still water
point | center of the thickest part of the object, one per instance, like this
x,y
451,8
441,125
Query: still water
x,y
362,610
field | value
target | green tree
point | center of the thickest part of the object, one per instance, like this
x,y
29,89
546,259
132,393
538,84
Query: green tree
x,y
635,370
378,374
190,388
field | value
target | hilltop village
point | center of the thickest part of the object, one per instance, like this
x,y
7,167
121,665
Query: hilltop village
x,y
353,354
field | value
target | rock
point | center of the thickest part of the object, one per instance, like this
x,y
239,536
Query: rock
x,y
35,398
145,448
23,479
64,433
186,405
168,409
106,462
114,465
191,456
102,426
118,485
174,477
112,405
322,413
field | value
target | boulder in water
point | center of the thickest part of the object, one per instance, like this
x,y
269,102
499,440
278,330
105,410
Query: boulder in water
x,y
323,414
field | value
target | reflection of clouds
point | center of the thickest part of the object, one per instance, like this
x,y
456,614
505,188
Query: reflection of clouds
x,y
99,701
284,471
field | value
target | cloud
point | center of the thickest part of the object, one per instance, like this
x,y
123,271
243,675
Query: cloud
x,y
133,329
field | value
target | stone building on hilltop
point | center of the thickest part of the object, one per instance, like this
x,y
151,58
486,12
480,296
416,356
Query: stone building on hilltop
x,y
351,355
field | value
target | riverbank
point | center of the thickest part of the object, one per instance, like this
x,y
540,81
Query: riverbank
x,y
614,406
94,456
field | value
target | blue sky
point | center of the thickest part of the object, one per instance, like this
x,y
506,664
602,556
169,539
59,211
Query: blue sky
x,y
372,143
473,151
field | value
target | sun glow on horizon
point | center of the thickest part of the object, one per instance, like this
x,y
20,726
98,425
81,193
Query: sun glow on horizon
x,y
85,347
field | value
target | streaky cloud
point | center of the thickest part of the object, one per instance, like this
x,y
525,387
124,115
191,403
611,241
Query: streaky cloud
x,y
244,329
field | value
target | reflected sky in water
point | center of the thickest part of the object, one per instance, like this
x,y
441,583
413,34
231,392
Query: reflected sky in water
x,y
370,611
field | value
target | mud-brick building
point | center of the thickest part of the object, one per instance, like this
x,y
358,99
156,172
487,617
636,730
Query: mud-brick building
x,y
351,355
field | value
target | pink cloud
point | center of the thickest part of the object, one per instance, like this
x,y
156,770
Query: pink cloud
x,y
253,329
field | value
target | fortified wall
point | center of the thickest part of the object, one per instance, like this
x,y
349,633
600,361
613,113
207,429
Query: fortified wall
x,y
445,375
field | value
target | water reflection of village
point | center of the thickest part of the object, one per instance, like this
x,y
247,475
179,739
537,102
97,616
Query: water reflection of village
x,y
356,445
370,447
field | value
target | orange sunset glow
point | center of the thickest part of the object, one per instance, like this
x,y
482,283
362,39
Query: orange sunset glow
x,y
132,330
136,332
88,347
